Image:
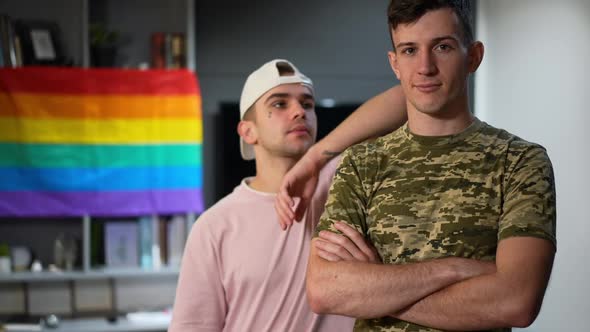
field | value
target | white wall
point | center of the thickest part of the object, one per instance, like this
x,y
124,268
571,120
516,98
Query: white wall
x,y
534,82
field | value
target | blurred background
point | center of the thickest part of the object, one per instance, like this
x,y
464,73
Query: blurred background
x,y
532,82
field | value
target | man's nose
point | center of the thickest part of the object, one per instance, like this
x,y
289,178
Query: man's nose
x,y
298,111
427,65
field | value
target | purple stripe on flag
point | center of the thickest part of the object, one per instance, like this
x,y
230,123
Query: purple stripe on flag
x,y
105,204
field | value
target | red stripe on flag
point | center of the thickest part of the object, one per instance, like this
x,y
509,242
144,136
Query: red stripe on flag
x,y
63,80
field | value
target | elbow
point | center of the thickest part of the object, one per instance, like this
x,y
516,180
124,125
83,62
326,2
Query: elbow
x,y
320,291
317,297
523,313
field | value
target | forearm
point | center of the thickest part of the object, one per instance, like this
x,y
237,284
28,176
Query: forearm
x,y
377,116
474,304
510,297
365,290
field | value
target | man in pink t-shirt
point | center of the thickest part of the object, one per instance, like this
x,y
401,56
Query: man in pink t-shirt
x,y
240,270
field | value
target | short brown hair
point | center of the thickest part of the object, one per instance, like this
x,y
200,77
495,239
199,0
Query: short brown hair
x,y
410,11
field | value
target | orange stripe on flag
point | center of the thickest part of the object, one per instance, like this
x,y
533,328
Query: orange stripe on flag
x,y
99,106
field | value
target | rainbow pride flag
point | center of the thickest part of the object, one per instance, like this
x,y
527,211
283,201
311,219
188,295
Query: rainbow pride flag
x,y
99,142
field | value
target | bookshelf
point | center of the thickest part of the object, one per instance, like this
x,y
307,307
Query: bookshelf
x,y
133,20
136,155
91,289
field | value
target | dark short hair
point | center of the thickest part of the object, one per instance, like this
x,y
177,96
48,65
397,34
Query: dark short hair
x,y
410,11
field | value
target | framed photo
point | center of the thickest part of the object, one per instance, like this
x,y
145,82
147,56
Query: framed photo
x,y
40,42
121,244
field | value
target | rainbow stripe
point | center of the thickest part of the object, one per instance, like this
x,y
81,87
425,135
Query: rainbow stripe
x,y
102,142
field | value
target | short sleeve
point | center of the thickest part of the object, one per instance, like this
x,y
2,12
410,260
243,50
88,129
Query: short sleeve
x,y
347,198
529,207
200,297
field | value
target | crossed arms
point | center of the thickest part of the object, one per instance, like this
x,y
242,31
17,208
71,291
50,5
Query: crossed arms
x,y
449,293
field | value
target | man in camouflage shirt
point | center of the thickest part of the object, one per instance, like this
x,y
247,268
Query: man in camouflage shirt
x,y
462,213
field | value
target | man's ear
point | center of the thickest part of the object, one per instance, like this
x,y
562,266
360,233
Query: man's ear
x,y
247,131
393,63
475,56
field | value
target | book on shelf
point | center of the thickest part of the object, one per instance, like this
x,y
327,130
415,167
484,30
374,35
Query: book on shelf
x,y
8,56
148,242
153,241
168,50
145,242
176,238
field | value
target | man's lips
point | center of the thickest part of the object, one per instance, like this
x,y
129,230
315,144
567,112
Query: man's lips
x,y
299,130
427,87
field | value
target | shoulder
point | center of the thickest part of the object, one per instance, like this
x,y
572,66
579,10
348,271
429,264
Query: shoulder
x,y
219,215
515,144
515,149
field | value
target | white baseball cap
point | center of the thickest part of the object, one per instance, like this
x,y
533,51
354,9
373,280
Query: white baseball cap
x,y
269,75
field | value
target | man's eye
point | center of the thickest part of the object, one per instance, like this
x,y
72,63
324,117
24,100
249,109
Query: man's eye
x,y
279,104
307,106
409,51
444,47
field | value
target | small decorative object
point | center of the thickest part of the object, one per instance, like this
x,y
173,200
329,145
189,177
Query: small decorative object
x,y
5,264
22,257
103,46
65,251
36,266
50,321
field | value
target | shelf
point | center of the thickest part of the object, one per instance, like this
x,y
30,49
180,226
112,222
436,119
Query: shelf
x,y
106,273
147,323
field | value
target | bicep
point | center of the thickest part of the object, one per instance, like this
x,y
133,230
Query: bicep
x,y
524,265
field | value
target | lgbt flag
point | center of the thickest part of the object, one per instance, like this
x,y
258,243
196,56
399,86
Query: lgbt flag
x,y
99,142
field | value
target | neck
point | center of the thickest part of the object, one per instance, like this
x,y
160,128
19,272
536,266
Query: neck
x,y
270,172
449,121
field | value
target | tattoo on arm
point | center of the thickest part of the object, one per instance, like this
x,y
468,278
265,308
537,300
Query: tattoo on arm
x,y
330,154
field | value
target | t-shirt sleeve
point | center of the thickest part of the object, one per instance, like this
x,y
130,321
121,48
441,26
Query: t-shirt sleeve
x,y
347,198
529,197
200,297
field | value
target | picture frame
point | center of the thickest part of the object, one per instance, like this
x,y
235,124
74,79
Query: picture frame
x,y
121,244
40,42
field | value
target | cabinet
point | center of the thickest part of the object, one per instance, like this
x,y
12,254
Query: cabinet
x,y
90,289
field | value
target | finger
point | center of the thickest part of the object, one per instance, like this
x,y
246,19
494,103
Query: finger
x,y
284,195
282,218
280,214
333,249
285,204
285,214
358,240
301,208
342,246
328,256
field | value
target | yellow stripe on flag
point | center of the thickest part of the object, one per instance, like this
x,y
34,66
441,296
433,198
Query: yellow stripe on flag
x,y
90,131
99,106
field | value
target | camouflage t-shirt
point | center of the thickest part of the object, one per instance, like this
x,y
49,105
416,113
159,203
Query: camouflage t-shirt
x,y
419,198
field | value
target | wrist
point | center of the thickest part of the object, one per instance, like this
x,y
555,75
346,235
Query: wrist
x,y
320,154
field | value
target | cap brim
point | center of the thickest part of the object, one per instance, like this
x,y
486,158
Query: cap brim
x,y
247,150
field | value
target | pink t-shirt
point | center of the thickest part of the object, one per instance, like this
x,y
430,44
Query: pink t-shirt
x,y
241,272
